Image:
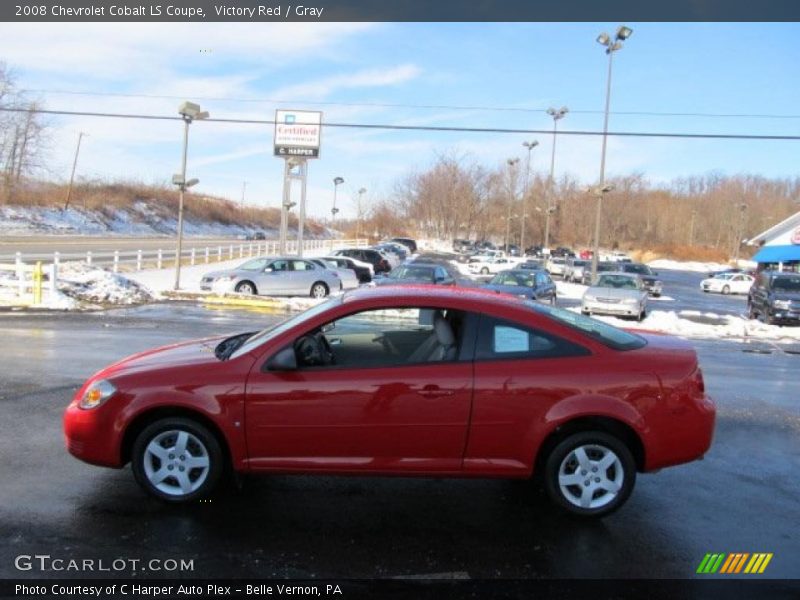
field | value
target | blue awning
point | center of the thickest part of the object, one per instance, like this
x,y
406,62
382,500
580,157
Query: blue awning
x,y
774,254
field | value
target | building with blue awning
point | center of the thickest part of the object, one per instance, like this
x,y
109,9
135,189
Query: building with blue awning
x,y
779,246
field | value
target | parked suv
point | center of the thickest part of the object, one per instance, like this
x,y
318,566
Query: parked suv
x,y
368,255
775,298
649,277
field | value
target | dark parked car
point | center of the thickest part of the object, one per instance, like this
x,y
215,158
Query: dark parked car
x,y
407,242
531,285
535,265
775,298
258,235
373,257
535,251
563,251
648,276
462,245
417,273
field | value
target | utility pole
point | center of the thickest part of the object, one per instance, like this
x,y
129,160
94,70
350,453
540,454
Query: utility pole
x,y
524,214
244,187
72,176
557,115
512,184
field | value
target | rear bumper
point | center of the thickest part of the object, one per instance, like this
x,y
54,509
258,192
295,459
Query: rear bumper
x,y
687,434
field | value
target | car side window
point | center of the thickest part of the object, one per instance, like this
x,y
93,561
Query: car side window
x,y
302,265
383,338
280,265
440,273
500,339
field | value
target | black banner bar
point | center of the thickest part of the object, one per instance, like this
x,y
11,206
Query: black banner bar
x,y
732,588
275,11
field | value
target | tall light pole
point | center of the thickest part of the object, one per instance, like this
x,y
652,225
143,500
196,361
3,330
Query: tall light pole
x,y
740,233
188,112
529,146
72,177
337,181
512,162
244,188
623,33
361,192
557,114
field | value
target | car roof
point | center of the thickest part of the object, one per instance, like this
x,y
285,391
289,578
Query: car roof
x,y
422,292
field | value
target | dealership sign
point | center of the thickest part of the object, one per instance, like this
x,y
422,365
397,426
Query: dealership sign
x,y
297,133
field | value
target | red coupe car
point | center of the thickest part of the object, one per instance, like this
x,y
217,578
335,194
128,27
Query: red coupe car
x,y
417,381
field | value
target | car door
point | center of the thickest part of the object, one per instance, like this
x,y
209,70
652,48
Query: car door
x,y
304,274
378,409
273,280
742,284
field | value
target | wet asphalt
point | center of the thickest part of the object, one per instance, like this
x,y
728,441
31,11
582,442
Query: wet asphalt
x,y
744,497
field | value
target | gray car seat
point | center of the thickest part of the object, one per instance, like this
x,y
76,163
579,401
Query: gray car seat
x,y
439,346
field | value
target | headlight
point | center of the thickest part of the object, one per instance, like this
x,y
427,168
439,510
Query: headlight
x,y
97,393
226,278
784,304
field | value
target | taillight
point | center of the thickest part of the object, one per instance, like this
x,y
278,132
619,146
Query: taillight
x,y
698,380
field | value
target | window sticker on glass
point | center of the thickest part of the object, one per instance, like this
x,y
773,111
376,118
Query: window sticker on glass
x,y
510,339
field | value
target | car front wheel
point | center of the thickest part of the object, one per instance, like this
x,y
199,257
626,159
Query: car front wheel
x,y
726,290
590,474
319,290
245,287
177,460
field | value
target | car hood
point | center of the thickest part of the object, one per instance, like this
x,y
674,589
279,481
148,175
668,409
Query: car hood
x,y
398,281
517,290
193,352
617,293
217,274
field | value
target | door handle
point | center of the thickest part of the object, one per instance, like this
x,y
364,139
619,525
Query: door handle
x,y
434,391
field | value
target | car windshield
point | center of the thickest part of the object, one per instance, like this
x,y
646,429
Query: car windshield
x,y
634,268
724,276
604,333
616,281
256,264
266,334
579,263
515,279
787,284
412,272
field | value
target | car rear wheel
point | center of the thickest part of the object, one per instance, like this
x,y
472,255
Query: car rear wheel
x,y
246,287
319,290
590,474
177,460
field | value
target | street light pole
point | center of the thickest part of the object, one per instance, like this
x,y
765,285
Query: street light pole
x,y
740,235
361,192
72,176
530,146
512,162
557,115
188,111
337,181
623,33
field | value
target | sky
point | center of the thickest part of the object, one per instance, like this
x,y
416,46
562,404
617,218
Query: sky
x,y
500,75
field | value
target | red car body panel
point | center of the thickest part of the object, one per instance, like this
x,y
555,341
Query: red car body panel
x,y
467,418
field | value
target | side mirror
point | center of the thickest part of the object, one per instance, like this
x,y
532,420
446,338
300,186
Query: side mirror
x,y
268,270
285,360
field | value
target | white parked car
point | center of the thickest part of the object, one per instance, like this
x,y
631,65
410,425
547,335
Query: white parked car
x,y
728,283
489,266
616,256
616,293
346,276
556,265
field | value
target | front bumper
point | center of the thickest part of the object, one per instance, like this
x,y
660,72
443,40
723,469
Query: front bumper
x,y
90,435
607,308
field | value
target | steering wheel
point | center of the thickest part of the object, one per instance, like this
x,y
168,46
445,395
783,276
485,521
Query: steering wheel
x,y
330,357
309,351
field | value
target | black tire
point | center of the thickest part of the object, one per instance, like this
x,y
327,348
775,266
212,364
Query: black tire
x,y
642,315
726,290
201,443
562,454
246,287
319,290
484,271
553,300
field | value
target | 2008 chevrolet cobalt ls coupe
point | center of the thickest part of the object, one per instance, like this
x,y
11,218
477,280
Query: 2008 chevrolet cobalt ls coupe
x,y
418,381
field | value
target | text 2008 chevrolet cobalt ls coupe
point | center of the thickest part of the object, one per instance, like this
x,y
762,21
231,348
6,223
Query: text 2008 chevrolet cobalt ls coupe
x,y
418,381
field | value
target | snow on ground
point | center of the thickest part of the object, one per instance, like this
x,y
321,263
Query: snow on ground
x,y
696,267
86,283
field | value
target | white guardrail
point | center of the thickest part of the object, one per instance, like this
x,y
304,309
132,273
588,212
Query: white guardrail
x,y
25,276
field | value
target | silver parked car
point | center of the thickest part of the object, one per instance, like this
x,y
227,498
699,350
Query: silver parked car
x,y
275,276
616,293
346,276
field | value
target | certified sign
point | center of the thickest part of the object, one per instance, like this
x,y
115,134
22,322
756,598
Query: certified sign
x,y
796,236
297,133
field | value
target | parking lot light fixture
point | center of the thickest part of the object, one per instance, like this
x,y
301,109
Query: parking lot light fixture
x,y
557,114
512,163
361,193
529,146
611,46
337,181
189,111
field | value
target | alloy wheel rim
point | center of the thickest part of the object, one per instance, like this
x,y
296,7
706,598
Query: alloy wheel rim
x,y
246,288
318,291
590,476
176,462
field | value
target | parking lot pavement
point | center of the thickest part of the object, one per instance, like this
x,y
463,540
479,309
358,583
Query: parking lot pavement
x,y
741,498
